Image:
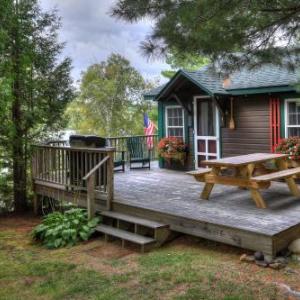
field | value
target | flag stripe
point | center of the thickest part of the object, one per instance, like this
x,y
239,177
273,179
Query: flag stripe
x,y
149,129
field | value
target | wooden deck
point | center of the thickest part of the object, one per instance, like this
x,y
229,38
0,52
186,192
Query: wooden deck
x,y
230,216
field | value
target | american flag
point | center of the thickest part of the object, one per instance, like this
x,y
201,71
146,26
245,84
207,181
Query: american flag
x,y
149,128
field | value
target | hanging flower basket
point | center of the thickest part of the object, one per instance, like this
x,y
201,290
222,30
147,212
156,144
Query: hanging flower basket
x,y
290,146
172,148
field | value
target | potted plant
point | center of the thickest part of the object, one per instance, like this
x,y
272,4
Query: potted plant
x,y
172,148
290,146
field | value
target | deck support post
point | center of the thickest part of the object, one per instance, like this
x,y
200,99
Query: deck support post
x,y
91,196
110,180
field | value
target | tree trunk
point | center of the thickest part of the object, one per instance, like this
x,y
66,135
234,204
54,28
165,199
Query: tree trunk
x,y
19,167
19,162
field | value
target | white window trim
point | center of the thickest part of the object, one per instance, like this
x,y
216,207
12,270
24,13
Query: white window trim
x,y
286,126
166,119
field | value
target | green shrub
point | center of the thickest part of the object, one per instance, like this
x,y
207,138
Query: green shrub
x,y
65,229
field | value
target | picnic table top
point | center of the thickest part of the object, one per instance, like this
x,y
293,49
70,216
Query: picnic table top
x,y
241,160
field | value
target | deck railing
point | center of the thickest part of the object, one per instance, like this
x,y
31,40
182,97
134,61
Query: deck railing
x,y
70,167
148,141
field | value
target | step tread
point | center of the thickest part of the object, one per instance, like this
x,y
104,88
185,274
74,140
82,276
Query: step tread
x,y
134,220
122,234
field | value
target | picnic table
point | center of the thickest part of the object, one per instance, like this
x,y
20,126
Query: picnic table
x,y
242,175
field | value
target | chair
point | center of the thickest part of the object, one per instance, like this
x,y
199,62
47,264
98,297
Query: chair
x,y
138,153
119,161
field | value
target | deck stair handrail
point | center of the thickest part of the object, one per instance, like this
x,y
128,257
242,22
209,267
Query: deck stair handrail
x,y
91,182
92,172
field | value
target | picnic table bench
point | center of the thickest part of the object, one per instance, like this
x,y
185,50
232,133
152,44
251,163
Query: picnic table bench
x,y
244,167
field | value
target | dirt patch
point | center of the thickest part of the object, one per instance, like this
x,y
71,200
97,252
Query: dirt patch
x,y
179,290
109,251
21,224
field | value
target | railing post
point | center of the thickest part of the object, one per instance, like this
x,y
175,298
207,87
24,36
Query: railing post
x,y
91,196
110,180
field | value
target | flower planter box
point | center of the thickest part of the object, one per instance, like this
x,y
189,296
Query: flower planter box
x,y
169,157
173,151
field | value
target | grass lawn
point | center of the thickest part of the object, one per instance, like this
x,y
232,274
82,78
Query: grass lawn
x,y
187,268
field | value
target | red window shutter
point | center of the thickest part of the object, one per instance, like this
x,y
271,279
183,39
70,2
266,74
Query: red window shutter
x,y
274,122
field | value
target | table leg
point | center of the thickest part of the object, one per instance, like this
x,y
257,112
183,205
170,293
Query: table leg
x,y
209,186
282,165
247,172
257,198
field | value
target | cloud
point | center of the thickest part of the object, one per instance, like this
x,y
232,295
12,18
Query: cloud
x,y
91,35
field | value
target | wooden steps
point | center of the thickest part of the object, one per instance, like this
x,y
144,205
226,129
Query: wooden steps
x,y
126,236
143,232
134,220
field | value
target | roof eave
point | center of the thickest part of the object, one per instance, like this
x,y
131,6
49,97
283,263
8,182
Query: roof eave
x,y
261,90
149,97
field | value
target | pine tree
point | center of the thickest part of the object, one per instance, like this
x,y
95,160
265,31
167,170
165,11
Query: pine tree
x,y
34,86
233,33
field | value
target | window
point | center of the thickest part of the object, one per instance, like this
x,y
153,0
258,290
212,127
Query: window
x,y
175,121
292,117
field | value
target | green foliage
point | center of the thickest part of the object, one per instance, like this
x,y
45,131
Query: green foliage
x,y
65,229
110,101
182,60
35,85
263,30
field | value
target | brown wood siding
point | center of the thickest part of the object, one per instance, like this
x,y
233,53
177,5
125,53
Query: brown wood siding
x,y
252,133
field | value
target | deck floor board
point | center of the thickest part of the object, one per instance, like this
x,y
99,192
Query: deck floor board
x,y
176,193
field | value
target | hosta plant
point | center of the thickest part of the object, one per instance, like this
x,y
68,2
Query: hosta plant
x,y
65,229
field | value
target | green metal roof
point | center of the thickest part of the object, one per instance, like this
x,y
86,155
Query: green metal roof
x,y
265,79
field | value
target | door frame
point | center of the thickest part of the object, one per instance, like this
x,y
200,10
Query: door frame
x,y
206,138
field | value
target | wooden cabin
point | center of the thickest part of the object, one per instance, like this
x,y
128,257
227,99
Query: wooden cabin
x,y
247,112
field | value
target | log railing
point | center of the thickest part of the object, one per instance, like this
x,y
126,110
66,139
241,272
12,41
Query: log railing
x,y
120,144
72,167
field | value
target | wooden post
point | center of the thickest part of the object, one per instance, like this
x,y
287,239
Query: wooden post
x,y
91,196
110,180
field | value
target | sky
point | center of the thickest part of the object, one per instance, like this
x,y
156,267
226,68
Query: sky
x,y
91,35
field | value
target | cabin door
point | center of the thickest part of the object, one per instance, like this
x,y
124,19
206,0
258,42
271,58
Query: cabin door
x,y
206,130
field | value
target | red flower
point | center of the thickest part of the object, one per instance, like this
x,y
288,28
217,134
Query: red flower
x,y
289,146
172,145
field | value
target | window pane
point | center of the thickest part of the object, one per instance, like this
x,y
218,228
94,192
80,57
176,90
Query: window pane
x,y
175,132
176,121
293,113
294,131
